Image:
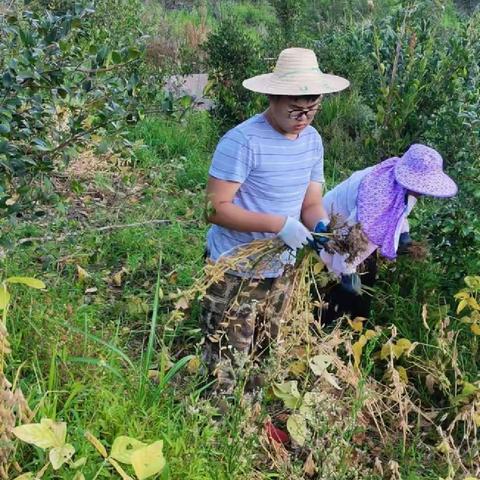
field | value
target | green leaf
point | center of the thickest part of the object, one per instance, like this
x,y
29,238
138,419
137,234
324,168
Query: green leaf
x,y
123,447
288,392
4,128
29,281
297,427
148,461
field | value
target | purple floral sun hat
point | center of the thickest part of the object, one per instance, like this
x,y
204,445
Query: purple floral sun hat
x,y
420,170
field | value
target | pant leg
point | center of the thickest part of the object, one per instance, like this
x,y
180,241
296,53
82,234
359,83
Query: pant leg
x,y
228,321
272,314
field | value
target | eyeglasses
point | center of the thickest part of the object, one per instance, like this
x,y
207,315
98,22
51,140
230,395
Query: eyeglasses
x,y
297,114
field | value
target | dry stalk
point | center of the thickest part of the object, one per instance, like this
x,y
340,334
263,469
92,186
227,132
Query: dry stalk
x,y
13,409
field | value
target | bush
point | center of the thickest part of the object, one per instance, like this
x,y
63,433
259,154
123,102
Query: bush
x,y
232,57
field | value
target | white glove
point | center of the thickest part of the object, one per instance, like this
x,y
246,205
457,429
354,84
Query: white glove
x,y
294,234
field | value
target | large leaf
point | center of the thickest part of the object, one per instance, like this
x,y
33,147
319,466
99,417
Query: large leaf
x,y
46,434
60,455
148,461
288,392
297,427
29,281
123,448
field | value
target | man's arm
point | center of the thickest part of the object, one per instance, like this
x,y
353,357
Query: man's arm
x,y
312,207
221,210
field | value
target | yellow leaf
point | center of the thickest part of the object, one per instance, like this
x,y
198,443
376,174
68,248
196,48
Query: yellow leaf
x,y
46,434
79,463
297,368
4,296
475,328
473,282
357,349
402,346
356,325
370,334
317,268
462,305
79,476
387,351
25,476
443,447
193,365
60,455
402,373
82,273
97,444
28,281
148,461
297,427
123,447
472,303
476,419
117,278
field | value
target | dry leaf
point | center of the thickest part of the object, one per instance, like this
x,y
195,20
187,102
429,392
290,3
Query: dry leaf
x,y
309,468
97,444
82,273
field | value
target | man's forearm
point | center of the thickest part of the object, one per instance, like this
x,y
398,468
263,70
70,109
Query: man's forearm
x,y
232,216
312,214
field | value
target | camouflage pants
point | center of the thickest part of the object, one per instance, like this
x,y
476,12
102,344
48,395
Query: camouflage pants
x,y
240,319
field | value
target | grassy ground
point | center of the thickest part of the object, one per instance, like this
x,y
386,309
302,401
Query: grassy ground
x,y
82,345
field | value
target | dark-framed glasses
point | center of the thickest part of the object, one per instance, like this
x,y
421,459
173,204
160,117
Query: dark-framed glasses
x,y
297,114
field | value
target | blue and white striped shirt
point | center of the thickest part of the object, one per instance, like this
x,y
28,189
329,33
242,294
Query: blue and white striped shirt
x,y
274,172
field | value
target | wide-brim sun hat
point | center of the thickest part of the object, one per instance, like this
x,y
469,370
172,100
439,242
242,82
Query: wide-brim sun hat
x,y
420,170
296,73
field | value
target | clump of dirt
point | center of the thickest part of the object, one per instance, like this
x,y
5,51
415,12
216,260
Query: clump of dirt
x,y
417,251
349,240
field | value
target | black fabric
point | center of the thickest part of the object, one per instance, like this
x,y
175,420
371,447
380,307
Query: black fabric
x,y
340,302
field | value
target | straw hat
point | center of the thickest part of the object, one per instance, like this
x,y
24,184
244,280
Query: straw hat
x,y
296,73
420,170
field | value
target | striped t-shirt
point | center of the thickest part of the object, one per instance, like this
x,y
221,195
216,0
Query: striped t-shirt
x,y
274,173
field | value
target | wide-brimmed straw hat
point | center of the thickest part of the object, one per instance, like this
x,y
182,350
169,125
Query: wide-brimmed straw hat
x,y
420,170
296,73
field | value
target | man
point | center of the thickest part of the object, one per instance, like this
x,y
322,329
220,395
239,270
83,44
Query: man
x,y
265,181
380,198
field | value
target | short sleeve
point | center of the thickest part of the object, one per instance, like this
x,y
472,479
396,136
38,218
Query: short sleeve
x,y
317,170
232,160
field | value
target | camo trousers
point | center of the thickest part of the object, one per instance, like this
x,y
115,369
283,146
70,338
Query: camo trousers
x,y
240,319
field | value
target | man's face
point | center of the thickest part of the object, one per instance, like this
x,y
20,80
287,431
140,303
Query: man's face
x,y
292,114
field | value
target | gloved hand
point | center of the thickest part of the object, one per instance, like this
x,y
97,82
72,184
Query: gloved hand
x,y
351,283
319,241
294,234
404,242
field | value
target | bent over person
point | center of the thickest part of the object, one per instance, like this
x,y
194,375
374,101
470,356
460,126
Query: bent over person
x,y
379,198
265,180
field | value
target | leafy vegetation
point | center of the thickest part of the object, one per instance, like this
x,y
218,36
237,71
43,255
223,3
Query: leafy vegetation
x,y
107,355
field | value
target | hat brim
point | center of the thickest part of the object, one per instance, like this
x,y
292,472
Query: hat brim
x,y
438,185
296,85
